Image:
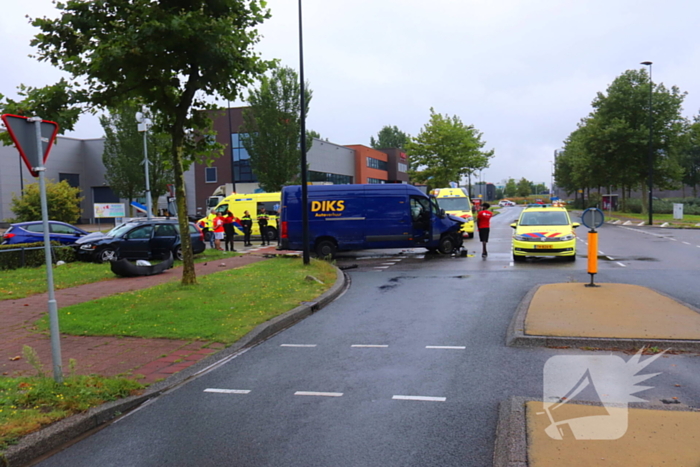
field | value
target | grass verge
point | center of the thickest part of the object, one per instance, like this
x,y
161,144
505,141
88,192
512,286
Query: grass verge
x,y
223,307
30,403
23,282
687,221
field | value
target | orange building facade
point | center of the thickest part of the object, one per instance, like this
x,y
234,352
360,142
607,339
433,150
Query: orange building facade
x,y
371,165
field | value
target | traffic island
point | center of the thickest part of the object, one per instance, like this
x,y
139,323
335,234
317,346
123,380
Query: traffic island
x,y
651,435
612,316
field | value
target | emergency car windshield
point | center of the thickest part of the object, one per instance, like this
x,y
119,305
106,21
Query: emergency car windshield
x,y
454,204
544,218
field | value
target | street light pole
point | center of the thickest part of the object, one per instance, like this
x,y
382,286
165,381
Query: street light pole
x,y
302,145
651,154
144,122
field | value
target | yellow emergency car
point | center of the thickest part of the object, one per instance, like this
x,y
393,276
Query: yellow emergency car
x,y
238,203
456,201
543,230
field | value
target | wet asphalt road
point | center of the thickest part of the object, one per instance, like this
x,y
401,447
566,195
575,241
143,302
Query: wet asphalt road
x,y
405,369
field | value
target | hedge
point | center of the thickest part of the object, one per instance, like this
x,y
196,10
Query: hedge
x,y
32,255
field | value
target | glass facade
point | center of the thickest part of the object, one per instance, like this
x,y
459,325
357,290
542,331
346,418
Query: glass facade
x,y
336,179
373,163
242,171
375,180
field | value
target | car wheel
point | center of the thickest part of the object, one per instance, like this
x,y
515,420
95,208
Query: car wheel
x,y
446,245
518,259
178,253
326,248
271,234
105,255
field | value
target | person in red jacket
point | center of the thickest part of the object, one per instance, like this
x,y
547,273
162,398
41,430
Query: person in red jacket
x,y
218,227
229,230
483,223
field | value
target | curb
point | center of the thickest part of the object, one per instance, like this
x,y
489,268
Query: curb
x,y
516,337
69,429
510,448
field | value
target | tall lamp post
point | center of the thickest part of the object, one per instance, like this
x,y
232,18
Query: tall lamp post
x,y
144,123
302,145
651,154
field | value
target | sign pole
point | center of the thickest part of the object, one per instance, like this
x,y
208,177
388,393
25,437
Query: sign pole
x,y
53,307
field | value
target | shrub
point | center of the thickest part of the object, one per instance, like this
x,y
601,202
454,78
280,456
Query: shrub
x,y
62,199
32,255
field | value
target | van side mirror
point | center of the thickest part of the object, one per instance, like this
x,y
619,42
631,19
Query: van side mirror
x,y
514,225
442,213
575,224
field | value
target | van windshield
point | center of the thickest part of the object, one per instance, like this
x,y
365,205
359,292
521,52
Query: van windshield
x,y
454,204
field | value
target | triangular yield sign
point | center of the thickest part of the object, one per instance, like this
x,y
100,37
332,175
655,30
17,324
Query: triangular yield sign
x,y
23,133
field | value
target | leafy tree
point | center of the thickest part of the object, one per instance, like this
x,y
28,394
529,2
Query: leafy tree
x,y
511,188
62,199
389,137
445,150
168,55
123,155
524,187
499,193
271,128
690,156
50,103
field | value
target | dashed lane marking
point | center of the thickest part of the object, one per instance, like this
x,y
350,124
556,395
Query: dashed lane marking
x,y
227,391
420,398
448,347
297,345
381,267
686,243
367,346
321,394
621,264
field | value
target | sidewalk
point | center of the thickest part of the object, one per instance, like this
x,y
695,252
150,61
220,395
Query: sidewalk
x,y
155,359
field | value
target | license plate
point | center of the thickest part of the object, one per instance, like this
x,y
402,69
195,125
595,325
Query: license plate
x,y
543,247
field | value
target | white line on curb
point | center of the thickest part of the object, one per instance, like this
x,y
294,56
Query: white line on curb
x,y
323,394
449,347
369,346
228,391
420,398
297,345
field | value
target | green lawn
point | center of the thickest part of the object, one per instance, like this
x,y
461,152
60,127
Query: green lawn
x,y
223,307
22,282
688,220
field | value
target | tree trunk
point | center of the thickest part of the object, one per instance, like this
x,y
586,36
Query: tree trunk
x,y
189,277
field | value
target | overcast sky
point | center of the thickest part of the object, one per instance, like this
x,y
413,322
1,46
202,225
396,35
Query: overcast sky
x,y
523,72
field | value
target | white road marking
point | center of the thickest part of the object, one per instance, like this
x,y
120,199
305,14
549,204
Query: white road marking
x,y
228,391
297,345
673,239
621,264
686,243
449,347
390,264
322,394
420,398
511,264
601,253
362,346
381,267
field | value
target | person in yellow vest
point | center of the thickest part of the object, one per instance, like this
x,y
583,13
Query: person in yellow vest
x,y
210,223
262,223
247,223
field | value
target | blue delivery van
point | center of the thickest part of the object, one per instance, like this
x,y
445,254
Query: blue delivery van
x,y
355,217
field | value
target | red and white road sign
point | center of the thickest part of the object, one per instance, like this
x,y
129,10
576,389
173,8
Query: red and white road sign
x,y
23,133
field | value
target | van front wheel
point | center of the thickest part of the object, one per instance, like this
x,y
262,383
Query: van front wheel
x,y
446,245
325,248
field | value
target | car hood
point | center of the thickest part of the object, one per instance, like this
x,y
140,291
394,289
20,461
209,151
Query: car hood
x,y
539,231
456,218
92,237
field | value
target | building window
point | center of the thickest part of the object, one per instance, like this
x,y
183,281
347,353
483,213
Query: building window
x,y
210,174
373,163
242,172
375,180
335,179
403,167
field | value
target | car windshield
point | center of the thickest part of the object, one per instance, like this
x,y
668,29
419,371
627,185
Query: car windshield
x,y
120,230
544,218
454,204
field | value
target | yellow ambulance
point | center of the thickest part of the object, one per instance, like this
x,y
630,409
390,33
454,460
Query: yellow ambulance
x,y
456,201
238,203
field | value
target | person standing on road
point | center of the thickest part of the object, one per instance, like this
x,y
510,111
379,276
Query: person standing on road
x,y
262,223
218,231
247,223
483,223
229,230
210,224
